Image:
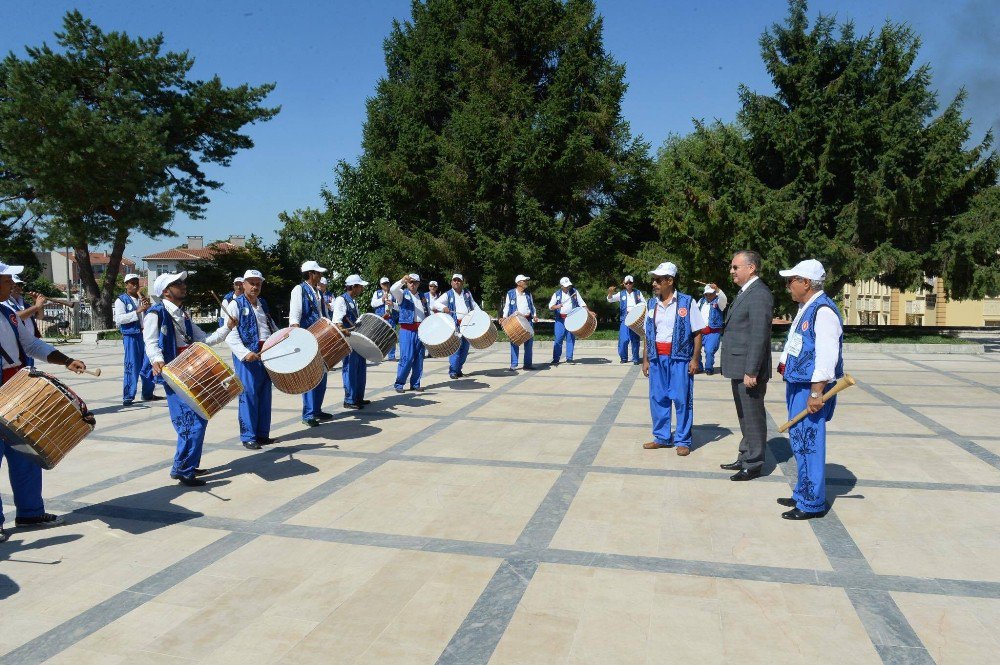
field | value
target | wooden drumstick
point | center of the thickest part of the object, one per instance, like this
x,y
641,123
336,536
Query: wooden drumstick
x,y
698,281
846,382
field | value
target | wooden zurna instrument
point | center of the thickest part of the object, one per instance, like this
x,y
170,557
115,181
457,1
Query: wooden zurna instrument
x,y
845,382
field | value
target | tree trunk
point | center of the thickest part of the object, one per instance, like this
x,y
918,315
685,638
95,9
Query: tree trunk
x,y
101,296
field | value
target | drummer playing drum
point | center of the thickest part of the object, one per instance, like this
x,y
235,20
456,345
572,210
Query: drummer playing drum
x,y
563,301
413,308
458,302
17,343
519,301
345,315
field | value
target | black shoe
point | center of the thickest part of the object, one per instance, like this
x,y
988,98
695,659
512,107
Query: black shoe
x,y
3,535
732,466
623,362
190,481
349,405
323,415
197,472
452,375
570,361
45,519
796,514
311,422
745,475
265,440
251,445
364,402
128,402
460,375
555,363
530,367
399,389
153,398
418,389
637,363
788,503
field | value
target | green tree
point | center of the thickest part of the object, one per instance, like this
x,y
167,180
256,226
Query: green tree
x,y
970,249
107,136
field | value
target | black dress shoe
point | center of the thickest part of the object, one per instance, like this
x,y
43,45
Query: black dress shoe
x,y
452,375
197,472
460,375
45,519
732,466
251,445
154,398
745,475
323,415
190,481
311,422
349,405
788,503
128,402
796,514
364,401
265,440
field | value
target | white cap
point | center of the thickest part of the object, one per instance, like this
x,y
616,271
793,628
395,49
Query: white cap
x,y
628,278
355,280
810,269
10,270
238,279
708,289
166,279
311,265
665,269
253,273
129,276
415,277
458,275
18,280
384,280
322,280
520,278
432,283
565,282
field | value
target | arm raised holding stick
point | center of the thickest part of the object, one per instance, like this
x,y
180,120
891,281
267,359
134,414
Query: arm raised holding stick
x,y
846,382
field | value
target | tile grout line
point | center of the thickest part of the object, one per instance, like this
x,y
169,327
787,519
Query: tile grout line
x,y
944,372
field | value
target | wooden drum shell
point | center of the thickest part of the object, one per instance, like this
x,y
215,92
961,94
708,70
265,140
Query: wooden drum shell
x,y
519,330
202,380
333,346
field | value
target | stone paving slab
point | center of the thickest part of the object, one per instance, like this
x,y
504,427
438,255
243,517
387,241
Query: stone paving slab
x,y
514,518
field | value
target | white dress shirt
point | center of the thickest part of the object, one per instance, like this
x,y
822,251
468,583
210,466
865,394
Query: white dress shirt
x,y
666,314
377,300
122,317
295,304
339,311
264,328
828,331
749,282
33,346
721,299
151,332
631,299
419,313
567,301
461,309
521,304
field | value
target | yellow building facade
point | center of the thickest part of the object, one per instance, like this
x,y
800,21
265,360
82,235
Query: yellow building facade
x,y
868,303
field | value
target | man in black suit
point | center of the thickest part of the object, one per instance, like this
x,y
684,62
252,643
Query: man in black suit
x,y
746,360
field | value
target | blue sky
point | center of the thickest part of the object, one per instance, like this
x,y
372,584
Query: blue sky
x,y
684,60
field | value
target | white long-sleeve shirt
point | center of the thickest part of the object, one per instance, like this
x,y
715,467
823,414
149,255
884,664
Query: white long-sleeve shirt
x,y
151,332
378,302
567,301
722,300
631,299
295,304
666,314
828,331
265,327
521,305
33,346
122,317
419,313
461,309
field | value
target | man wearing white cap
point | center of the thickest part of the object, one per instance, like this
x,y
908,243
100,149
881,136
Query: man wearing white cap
x,y
253,326
167,331
17,343
432,294
129,309
458,302
626,300
712,305
306,307
345,315
387,307
228,298
325,294
24,313
519,301
812,361
413,308
670,359
562,302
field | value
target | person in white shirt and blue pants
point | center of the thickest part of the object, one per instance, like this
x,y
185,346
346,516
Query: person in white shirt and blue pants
x,y
519,301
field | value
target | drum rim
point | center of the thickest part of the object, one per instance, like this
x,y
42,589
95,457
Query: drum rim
x,y
462,325
375,317
372,344
17,442
440,316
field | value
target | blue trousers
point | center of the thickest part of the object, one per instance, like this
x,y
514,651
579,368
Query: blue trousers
x,y
514,352
395,326
670,384
457,360
190,428
411,358
255,401
136,366
561,334
312,401
355,375
710,343
25,482
808,440
628,337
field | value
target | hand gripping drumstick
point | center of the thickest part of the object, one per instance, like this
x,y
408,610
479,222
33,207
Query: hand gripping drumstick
x,y
846,382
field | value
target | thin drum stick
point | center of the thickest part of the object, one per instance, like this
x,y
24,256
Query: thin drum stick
x,y
281,355
698,281
846,382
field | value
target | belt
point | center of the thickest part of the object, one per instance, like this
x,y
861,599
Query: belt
x,y
663,348
412,327
709,331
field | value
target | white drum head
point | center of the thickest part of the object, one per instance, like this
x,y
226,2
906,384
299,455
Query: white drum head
x,y
289,355
635,312
576,319
365,348
475,324
436,329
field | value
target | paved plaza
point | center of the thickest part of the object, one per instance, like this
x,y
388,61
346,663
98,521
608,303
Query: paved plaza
x,y
514,518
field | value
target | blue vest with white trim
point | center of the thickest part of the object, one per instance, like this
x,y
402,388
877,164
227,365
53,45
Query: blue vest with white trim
x,y
351,316
168,336
407,308
132,327
512,303
312,311
682,344
716,319
246,325
623,302
14,322
573,299
800,368
466,296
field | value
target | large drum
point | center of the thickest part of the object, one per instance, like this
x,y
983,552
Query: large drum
x,y
636,318
478,328
202,380
518,329
581,322
333,346
41,417
439,336
292,360
372,338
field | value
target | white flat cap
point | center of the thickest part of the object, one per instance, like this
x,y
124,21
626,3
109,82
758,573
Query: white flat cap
x,y
130,277
708,289
458,275
312,265
414,276
665,269
10,270
628,278
565,282
238,279
810,269
355,280
253,273
384,280
166,279
522,278
432,283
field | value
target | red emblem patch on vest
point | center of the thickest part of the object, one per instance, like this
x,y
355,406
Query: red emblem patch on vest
x,y
682,312
13,319
805,325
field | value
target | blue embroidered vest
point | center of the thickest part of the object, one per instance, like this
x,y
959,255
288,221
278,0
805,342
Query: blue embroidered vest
x,y
14,322
682,344
168,336
623,303
132,327
247,324
380,310
800,368
574,300
352,310
715,316
312,311
226,299
407,308
466,296
512,303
